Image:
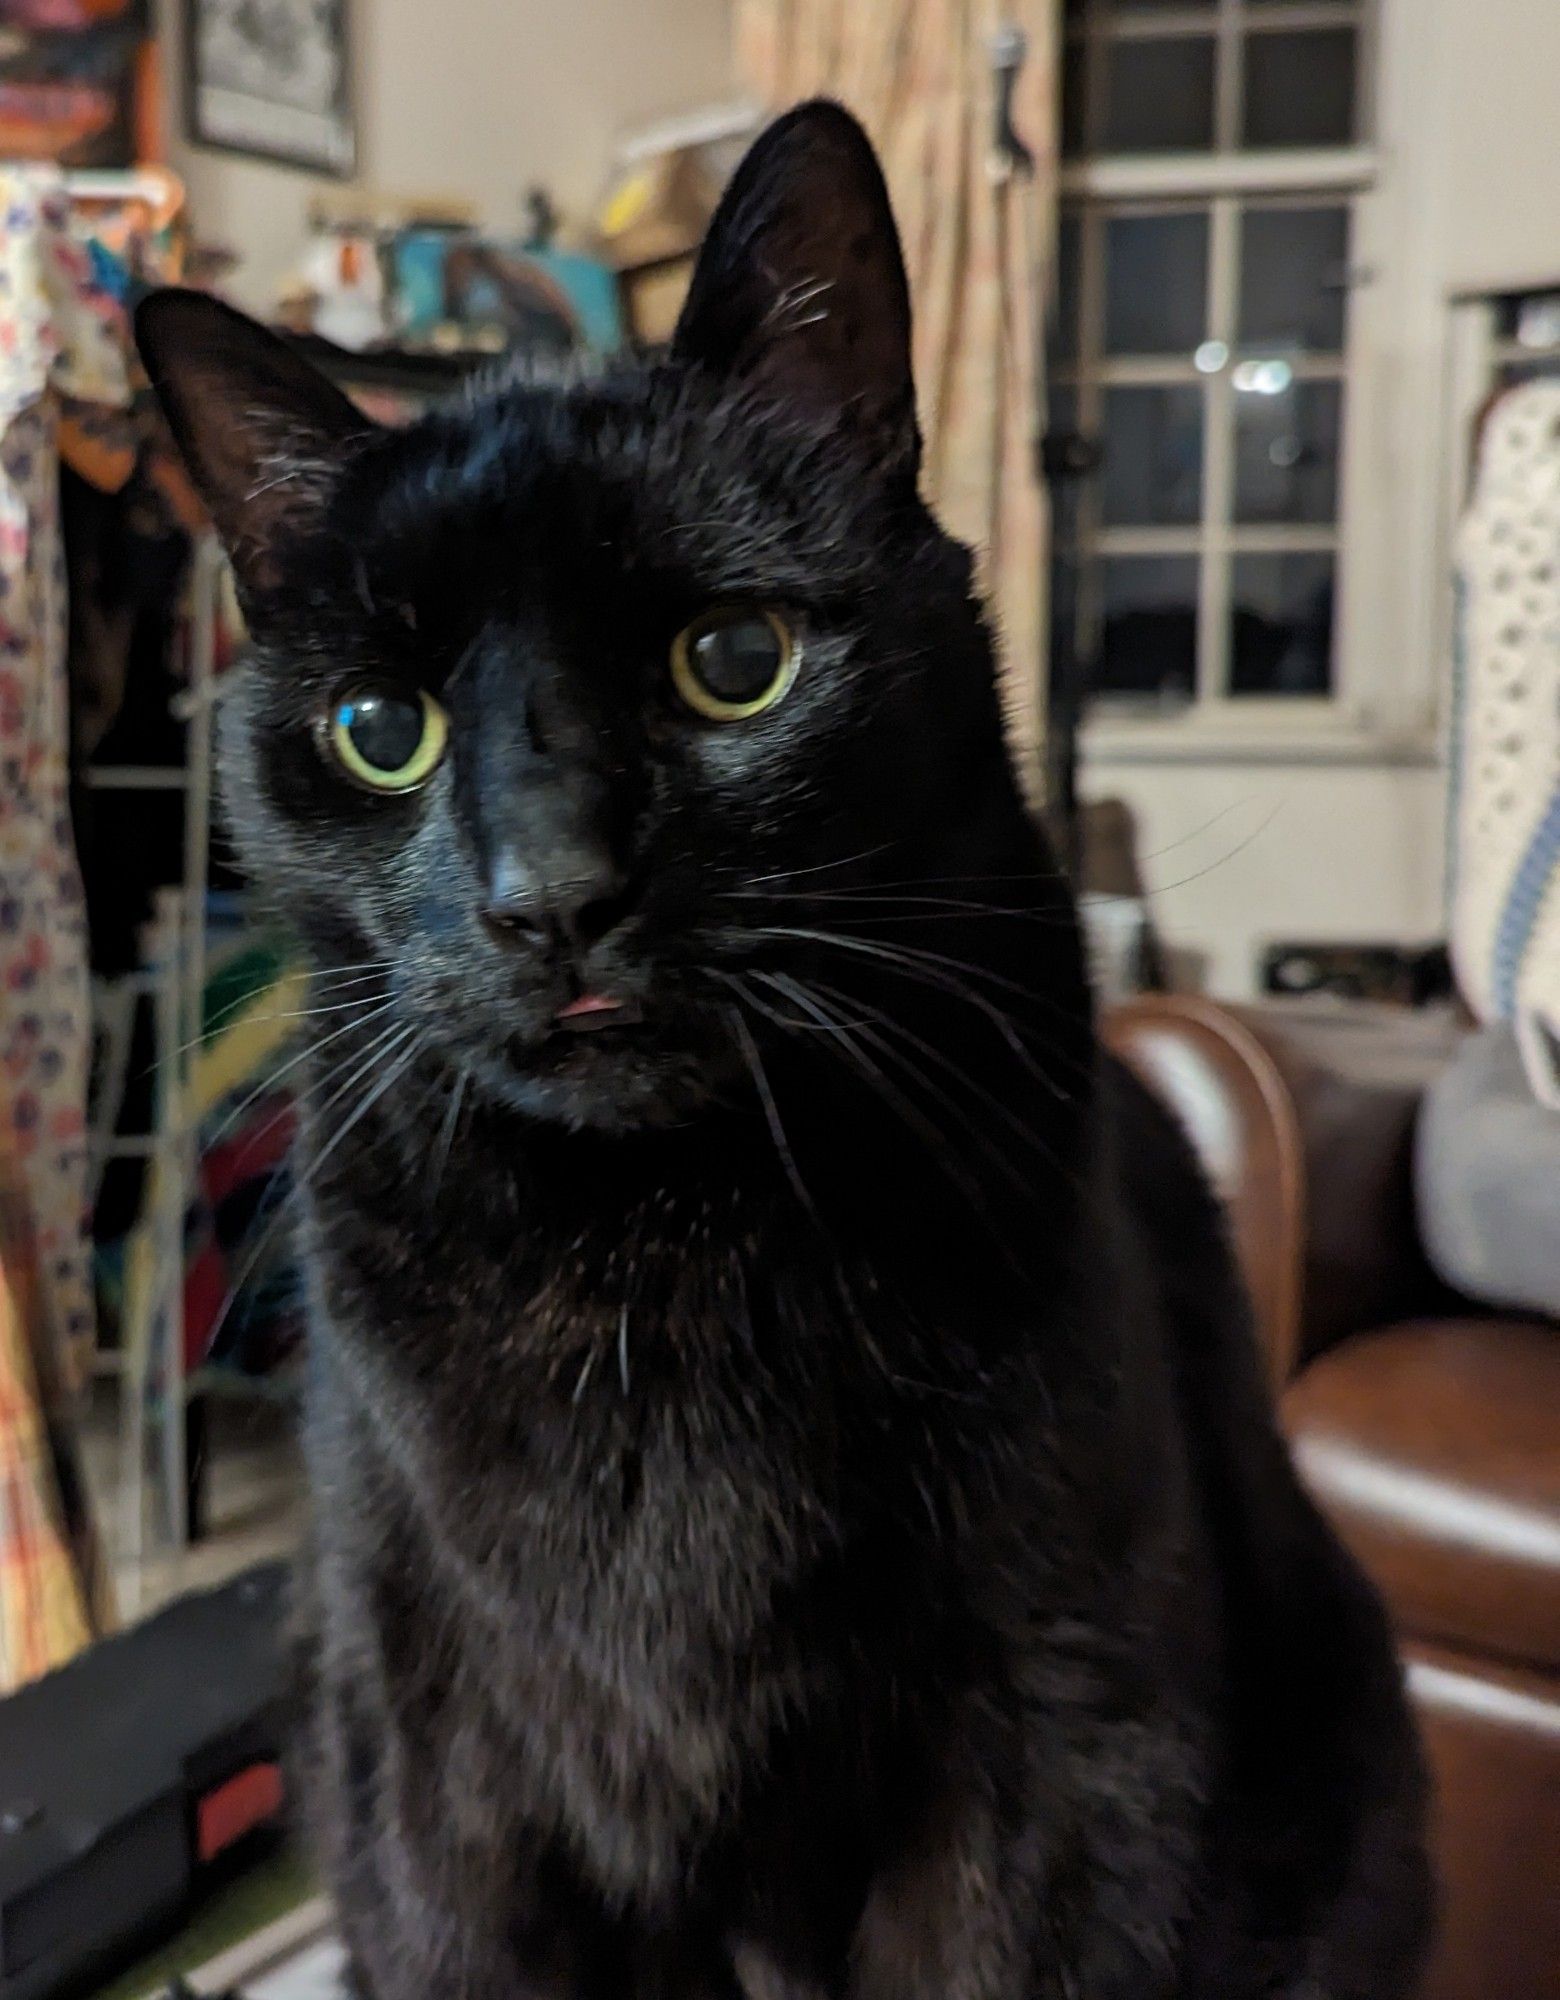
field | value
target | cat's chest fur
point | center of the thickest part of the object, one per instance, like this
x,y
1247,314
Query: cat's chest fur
x,y
622,1472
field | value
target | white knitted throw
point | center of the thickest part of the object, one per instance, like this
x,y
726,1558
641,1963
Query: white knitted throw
x,y
1505,852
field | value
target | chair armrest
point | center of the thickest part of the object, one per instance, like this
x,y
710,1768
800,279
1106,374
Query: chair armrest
x,y
1303,1113
1231,1098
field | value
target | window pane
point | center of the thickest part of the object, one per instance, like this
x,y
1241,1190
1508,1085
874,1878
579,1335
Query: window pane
x,y
1158,95
1286,454
1294,267
1281,625
1152,468
1300,88
1156,283
1148,626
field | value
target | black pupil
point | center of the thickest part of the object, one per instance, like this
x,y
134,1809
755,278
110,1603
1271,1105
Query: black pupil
x,y
385,729
737,661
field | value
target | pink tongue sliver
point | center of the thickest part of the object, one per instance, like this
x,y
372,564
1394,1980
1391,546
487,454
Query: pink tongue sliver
x,y
588,1003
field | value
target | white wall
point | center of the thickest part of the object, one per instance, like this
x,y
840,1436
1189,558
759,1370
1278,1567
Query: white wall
x,y
1498,141
476,98
1469,197
1236,858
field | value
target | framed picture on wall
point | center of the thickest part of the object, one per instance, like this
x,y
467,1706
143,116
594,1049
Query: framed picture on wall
x,y
272,78
78,82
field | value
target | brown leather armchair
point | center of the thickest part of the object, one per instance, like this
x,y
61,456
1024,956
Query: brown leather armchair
x,y
1428,1429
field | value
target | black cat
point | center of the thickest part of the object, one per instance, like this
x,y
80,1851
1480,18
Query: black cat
x,y
797,1513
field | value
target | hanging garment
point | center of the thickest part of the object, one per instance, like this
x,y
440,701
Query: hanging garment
x,y
66,270
1505,850
60,335
977,222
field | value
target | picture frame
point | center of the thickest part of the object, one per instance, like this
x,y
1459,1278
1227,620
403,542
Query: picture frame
x,y
272,79
77,83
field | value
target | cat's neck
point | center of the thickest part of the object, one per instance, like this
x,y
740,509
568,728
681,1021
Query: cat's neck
x,y
816,1183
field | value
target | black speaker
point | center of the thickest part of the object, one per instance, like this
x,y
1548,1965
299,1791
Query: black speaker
x,y
129,1771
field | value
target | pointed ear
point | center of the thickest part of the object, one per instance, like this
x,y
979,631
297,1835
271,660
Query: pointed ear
x,y
800,287
262,432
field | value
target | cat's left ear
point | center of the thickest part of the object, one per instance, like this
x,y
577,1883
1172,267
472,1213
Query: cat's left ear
x,y
800,288
262,431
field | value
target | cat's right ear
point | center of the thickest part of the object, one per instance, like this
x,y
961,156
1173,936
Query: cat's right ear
x,y
262,431
799,290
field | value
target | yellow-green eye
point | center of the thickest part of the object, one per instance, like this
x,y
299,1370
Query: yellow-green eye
x,y
731,664
386,739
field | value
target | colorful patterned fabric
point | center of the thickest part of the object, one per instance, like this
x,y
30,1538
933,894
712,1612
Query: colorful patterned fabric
x,y
44,1613
61,333
66,275
64,383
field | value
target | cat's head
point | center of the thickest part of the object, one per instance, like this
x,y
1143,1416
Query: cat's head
x,y
565,696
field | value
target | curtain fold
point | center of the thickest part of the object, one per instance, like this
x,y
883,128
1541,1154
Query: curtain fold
x,y
978,235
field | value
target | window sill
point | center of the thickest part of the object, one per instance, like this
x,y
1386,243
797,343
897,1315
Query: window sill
x,y
1308,733
1154,176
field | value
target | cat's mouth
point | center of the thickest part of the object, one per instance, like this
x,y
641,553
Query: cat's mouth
x,y
607,1060
591,1013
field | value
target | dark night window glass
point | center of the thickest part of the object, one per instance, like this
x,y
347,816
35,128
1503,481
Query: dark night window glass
x,y
1148,627
1281,621
1156,282
1300,88
1294,265
1151,473
1158,95
1286,454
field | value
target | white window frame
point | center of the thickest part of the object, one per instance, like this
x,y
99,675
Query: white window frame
x,y
1382,706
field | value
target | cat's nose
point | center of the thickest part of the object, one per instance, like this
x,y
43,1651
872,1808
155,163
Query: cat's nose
x,y
575,902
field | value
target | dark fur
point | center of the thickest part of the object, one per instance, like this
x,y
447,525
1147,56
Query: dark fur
x,y
797,1511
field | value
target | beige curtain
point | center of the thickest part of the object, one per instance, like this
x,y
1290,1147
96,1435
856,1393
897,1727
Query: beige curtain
x,y
977,236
